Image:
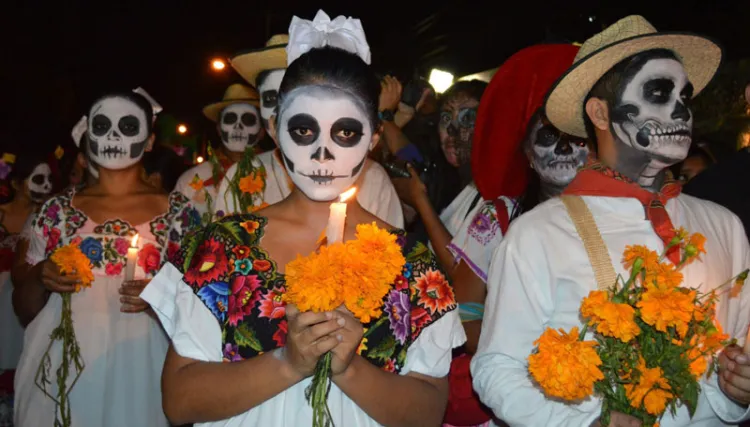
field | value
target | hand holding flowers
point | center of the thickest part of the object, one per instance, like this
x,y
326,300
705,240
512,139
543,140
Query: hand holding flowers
x,y
310,336
53,280
349,337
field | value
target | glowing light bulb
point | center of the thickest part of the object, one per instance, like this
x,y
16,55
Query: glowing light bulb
x,y
199,159
440,80
218,64
181,128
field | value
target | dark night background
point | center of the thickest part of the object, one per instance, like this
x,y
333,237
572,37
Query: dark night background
x,y
58,57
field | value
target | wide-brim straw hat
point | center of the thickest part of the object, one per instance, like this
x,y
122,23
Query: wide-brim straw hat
x,y
249,64
235,94
564,107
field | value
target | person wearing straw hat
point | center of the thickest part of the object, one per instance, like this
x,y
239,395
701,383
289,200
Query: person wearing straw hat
x,y
265,68
238,124
629,89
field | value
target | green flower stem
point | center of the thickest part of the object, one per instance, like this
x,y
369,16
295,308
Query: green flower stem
x,y
71,355
375,326
317,392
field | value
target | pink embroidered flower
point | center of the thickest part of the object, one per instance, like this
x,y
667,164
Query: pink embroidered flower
x,y
53,237
243,297
112,269
271,306
149,258
76,241
280,335
52,211
121,246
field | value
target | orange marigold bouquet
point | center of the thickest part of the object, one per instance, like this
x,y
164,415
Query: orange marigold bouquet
x,y
72,262
357,274
653,339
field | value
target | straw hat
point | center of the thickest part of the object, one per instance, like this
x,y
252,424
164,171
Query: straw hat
x,y
564,106
235,94
250,63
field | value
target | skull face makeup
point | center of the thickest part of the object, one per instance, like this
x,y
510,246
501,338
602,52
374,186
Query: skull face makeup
x,y
555,156
269,94
239,127
117,133
457,128
651,113
40,183
324,135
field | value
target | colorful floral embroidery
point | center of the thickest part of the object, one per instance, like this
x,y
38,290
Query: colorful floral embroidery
x,y
484,226
116,227
241,286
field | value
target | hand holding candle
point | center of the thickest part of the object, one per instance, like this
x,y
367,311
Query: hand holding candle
x,y
337,219
132,259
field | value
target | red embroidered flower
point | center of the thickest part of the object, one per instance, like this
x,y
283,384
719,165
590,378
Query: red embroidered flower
x,y
390,366
112,269
250,226
53,237
261,265
149,258
241,252
208,265
280,335
243,297
172,250
419,319
400,283
6,259
271,306
76,241
435,293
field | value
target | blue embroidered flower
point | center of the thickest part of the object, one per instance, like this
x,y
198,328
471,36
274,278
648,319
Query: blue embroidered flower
x,y
216,297
92,248
243,266
407,270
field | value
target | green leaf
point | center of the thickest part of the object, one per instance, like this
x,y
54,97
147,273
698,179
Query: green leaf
x,y
401,360
245,337
384,351
191,242
233,229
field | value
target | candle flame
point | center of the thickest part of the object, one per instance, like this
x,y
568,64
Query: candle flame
x,y
347,194
134,242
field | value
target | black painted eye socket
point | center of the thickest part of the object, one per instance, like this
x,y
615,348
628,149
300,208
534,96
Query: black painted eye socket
x,y
100,125
37,179
270,98
249,119
303,128
658,91
129,125
347,132
547,136
467,117
229,118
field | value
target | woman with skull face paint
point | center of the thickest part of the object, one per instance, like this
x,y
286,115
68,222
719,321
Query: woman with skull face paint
x,y
24,184
326,124
121,344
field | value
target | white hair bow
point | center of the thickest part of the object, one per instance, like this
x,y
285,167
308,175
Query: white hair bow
x,y
155,107
79,129
343,33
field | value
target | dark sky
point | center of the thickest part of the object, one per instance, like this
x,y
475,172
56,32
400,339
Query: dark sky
x,y
57,56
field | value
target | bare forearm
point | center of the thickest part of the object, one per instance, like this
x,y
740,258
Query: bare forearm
x,y
438,234
394,138
394,400
29,295
213,391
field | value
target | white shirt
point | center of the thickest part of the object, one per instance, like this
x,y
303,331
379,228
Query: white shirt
x,y
196,334
541,272
199,198
376,192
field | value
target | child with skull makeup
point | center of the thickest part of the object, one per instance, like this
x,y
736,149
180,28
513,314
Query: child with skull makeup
x,y
265,68
121,343
326,123
629,88
239,127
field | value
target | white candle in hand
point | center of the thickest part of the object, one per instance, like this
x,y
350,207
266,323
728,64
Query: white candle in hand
x,y
132,259
337,219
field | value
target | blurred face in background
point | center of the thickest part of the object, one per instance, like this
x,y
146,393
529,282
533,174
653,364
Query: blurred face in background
x,y
456,128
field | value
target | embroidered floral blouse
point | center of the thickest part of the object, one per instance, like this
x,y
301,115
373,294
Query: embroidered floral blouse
x,y
243,289
106,245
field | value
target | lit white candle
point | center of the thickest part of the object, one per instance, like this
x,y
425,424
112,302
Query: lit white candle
x,y
132,259
337,219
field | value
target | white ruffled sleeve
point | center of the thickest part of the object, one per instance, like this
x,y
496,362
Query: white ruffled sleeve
x,y
194,331
432,352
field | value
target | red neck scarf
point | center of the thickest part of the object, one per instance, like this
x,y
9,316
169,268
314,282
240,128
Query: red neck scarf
x,y
596,179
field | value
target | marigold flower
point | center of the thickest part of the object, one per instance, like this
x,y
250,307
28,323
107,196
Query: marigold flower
x,y
73,262
253,183
564,366
632,253
664,307
664,275
694,247
611,319
196,183
652,390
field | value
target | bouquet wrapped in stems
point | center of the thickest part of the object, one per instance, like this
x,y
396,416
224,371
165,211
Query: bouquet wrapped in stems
x,y
73,262
653,339
357,274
